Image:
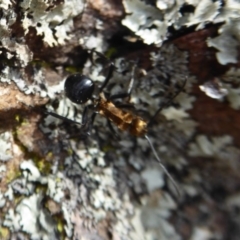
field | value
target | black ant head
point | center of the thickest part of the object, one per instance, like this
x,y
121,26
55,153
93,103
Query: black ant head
x,y
79,88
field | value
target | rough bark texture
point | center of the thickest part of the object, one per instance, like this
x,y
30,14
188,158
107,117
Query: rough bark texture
x,y
57,182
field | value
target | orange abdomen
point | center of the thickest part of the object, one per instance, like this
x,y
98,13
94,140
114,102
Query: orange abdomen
x,y
125,121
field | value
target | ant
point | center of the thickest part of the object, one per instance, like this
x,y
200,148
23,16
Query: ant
x,y
80,88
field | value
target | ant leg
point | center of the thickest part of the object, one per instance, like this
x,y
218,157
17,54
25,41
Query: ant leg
x,y
112,129
167,103
91,122
118,96
85,115
125,105
86,129
108,77
110,71
86,123
62,118
130,87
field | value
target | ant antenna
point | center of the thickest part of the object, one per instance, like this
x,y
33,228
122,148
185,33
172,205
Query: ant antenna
x,y
150,143
167,103
162,166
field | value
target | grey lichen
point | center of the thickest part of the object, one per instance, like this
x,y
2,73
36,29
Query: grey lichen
x,y
151,23
227,42
99,187
141,17
204,147
5,146
28,217
233,93
52,21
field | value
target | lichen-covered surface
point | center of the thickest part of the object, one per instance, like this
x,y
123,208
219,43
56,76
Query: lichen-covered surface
x,y
58,183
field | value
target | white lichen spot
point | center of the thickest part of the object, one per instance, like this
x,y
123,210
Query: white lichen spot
x,y
165,4
2,200
30,171
231,82
233,201
5,4
12,220
172,113
92,42
28,211
154,216
2,169
139,231
145,21
105,196
9,193
24,54
85,158
5,146
187,126
206,11
190,189
185,100
68,226
206,147
233,97
231,9
233,75
153,179
201,233
4,31
55,189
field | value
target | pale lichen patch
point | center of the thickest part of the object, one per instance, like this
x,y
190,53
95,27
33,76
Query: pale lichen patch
x,y
215,146
227,42
5,146
153,179
205,11
172,113
141,17
5,4
201,233
53,23
154,214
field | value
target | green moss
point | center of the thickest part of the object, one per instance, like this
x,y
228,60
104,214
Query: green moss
x,y
17,199
40,63
4,233
110,52
72,70
107,148
17,118
12,174
43,166
60,226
